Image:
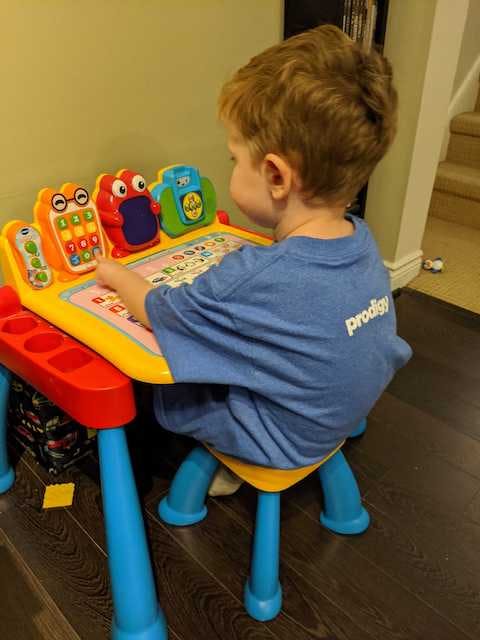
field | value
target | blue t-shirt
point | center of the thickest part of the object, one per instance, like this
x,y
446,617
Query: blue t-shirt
x,y
279,351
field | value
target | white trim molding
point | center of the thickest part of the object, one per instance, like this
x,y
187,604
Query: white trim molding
x,y
404,270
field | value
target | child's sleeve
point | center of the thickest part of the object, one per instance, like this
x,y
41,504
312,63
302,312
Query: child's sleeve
x,y
199,326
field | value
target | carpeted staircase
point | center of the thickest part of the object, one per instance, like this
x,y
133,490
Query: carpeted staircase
x,y
456,192
453,225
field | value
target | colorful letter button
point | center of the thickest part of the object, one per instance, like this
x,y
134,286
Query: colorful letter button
x,y
86,256
75,260
83,244
70,247
88,215
75,218
61,223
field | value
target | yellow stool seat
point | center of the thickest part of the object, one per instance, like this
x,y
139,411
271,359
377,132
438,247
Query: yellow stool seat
x,y
265,478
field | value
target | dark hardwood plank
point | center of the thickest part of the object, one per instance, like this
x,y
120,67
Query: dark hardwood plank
x,y
383,607
402,421
223,547
441,391
66,562
195,602
27,611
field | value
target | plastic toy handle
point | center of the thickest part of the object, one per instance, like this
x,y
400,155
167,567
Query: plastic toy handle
x,y
223,217
9,301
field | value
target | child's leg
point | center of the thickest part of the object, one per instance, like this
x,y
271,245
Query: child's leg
x,y
224,483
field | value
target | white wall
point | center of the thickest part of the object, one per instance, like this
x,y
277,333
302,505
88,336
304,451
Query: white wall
x,y
91,87
423,43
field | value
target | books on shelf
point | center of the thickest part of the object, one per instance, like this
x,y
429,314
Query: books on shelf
x,y
359,19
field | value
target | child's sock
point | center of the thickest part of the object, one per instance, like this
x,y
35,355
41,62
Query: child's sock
x,y
224,482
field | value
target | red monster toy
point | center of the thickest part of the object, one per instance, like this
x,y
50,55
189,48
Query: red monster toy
x,y
128,212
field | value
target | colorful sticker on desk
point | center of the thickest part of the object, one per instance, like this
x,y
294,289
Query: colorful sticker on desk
x,y
174,267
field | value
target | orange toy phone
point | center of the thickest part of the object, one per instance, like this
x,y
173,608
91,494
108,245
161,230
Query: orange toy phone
x,y
71,230
27,249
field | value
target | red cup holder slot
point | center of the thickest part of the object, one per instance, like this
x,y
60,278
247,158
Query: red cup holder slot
x,y
44,342
22,324
70,360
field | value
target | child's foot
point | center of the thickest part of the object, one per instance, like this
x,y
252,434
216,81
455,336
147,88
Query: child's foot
x,y
224,483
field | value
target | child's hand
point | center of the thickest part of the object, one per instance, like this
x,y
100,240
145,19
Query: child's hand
x,y
109,273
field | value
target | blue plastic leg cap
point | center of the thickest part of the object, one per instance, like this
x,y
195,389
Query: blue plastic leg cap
x,y
347,527
359,429
177,518
262,610
156,631
7,480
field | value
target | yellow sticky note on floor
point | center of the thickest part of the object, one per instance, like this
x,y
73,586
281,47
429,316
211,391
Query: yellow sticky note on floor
x,y
58,495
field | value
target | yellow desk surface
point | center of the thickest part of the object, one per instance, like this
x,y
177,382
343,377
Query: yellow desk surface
x,y
115,346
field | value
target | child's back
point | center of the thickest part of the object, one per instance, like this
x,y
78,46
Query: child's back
x,y
291,344
283,349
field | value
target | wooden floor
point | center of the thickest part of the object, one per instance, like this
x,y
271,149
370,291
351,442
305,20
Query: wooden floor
x,y
414,575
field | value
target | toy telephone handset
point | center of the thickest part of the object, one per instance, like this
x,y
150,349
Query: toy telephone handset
x,y
187,200
71,229
27,248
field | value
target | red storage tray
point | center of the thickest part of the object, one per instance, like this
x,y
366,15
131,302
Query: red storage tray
x,y
79,381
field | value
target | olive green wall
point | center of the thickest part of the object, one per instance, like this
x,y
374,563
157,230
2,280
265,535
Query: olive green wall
x,y
98,85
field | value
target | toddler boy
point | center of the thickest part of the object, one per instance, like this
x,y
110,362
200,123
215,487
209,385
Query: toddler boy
x,y
278,352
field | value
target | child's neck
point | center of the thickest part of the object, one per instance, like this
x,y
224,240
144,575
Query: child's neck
x,y
325,223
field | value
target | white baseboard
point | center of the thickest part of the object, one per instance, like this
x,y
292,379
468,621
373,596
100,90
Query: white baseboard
x,y
404,270
464,100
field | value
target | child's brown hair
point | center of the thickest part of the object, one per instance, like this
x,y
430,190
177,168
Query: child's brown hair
x,y
321,101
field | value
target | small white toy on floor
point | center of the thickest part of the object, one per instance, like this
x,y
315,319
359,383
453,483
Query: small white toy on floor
x,y
435,266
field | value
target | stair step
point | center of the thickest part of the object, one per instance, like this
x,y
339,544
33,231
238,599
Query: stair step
x,y
466,123
453,208
458,179
464,149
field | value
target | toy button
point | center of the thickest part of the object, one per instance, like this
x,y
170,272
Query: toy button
x,y
94,239
36,263
96,251
88,215
83,244
79,231
42,276
62,223
91,227
75,218
70,247
31,247
66,235
75,260
86,256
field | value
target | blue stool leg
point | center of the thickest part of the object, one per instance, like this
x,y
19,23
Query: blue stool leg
x,y
263,592
7,475
185,502
359,429
137,615
343,511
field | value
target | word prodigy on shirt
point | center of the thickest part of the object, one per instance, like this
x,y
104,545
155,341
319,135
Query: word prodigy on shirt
x,y
376,308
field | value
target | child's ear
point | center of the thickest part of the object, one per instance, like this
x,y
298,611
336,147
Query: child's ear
x,y
279,176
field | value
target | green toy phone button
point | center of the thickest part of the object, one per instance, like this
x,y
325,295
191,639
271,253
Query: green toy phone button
x,y
75,218
36,263
62,223
30,247
86,256
42,276
88,215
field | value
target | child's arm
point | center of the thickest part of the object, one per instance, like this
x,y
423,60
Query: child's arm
x,y
130,286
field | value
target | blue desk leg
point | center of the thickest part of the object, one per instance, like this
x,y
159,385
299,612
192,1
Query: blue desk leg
x,y
137,615
7,475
